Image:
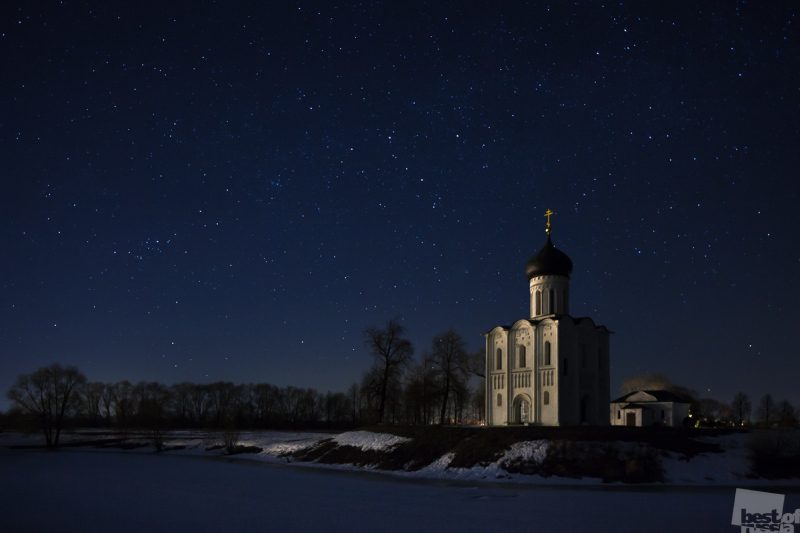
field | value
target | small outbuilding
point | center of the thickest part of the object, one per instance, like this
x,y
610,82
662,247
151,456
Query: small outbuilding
x,y
649,408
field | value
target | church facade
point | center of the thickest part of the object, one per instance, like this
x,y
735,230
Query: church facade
x,y
550,369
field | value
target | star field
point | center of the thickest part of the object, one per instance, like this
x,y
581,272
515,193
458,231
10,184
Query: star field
x,y
207,192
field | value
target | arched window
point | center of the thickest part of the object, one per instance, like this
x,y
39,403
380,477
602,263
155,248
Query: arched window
x,y
522,357
552,309
499,359
546,398
547,353
499,400
538,303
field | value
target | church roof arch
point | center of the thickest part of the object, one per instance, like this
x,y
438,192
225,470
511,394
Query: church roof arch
x,y
497,329
523,323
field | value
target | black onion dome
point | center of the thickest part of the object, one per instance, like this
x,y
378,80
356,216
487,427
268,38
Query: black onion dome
x,y
550,261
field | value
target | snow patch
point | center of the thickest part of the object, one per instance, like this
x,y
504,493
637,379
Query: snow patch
x,y
369,441
534,450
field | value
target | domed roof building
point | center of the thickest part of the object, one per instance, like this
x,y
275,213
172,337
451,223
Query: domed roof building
x,y
550,369
549,261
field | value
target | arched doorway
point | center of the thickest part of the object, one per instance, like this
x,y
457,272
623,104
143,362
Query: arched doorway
x,y
522,409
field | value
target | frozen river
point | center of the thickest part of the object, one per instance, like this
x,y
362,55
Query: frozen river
x,y
145,492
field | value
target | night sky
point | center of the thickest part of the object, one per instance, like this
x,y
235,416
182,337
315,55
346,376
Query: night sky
x,y
200,191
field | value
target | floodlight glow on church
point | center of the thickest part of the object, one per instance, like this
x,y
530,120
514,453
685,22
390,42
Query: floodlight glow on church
x,y
550,369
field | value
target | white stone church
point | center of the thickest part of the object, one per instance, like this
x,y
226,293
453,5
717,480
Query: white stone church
x,y
550,369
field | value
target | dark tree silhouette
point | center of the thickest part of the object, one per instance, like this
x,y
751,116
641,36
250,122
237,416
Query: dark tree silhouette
x,y
90,396
449,356
122,398
265,397
392,352
154,410
785,414
476,363
740,408
47,393
354,398
766,409
220,395
420,391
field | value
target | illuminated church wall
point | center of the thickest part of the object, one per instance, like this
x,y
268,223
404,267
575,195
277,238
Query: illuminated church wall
x,y
550,369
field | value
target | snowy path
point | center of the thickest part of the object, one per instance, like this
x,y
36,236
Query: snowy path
x,y
134,492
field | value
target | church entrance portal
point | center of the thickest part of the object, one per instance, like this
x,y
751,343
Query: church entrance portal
x,y
522,410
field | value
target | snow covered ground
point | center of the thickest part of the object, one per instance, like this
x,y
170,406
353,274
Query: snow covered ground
x,y
86,489
728,469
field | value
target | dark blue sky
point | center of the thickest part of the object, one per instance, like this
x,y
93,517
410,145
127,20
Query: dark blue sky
x,y
203,192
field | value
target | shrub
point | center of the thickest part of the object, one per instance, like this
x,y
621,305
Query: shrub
x,y
775,453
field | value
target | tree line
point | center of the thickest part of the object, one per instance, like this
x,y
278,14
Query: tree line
x,y
395,389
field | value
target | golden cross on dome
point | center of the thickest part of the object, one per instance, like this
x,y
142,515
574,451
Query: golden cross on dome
x,y
548,220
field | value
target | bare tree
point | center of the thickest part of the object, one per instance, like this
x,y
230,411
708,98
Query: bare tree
x,y
336,407
449,356
420,391
461,395
90,396
312,401
740,408
265,397
240,405
199,404
392,352
354,397
370,394
785,414
108,401
476,363
220,395
181,402
479,403
141,394
47,393
249,399
766,409
290,402
154,410
122,394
